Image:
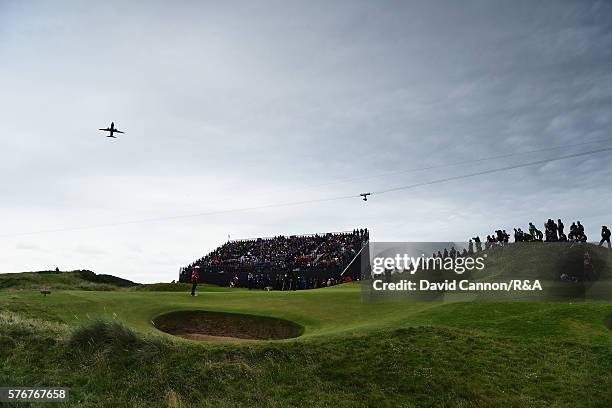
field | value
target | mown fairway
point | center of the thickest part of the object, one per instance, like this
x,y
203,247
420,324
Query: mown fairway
x,y
351,354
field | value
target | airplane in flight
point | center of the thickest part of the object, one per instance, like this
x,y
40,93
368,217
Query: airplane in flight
x,y
112,130
365,196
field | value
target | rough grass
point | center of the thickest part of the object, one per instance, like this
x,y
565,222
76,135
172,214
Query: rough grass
x,y
164,287
103,346
79,280
87,280
176,287
108,364
547,260
609,322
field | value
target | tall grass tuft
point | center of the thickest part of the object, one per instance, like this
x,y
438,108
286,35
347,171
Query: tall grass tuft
x,y
110,338
173,399
15,324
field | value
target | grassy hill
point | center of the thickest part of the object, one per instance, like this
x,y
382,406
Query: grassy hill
x,y
559,267
547,260
351,353
85,280
104,345
78,280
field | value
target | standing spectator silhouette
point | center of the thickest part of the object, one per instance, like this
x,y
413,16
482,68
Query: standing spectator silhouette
x,y
580,228
605,236
506,237
478,244
532,229
551,230
573,231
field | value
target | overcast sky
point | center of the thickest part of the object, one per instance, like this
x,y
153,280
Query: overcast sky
x,y
230,105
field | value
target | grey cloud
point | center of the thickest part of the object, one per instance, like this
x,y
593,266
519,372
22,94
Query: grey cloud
x,y
27,246
239,104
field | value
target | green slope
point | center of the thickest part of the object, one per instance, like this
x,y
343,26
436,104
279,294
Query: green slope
x,y
81,280
85,280
547,260
351,353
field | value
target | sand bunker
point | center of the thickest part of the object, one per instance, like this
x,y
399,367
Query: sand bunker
x,y
202,325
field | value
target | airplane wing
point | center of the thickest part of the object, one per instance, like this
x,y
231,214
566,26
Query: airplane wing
x,y
118,131
107,129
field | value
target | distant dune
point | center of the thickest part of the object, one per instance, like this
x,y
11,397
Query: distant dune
x,y
76,280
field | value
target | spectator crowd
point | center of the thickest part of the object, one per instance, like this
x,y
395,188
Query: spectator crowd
x,y
553,232
313,261
281,262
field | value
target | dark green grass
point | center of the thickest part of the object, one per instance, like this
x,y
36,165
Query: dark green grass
x,y
103,346
101,343
546,260
177,287
81,280
164,287
87,280
107,365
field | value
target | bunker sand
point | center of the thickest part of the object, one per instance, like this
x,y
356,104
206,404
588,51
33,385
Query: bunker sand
x,y
201,325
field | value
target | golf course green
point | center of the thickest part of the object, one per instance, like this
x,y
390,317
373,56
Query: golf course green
x,y
105,347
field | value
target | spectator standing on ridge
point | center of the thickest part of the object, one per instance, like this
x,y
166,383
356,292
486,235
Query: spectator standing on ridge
x,y
551,231
478,244
605,236
573,230
506,237
195,277
539,235
532,229
560,227
577,233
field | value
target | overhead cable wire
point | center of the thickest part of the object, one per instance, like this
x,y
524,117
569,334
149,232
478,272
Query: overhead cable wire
x,y
417,169
317,200
497,170
459,163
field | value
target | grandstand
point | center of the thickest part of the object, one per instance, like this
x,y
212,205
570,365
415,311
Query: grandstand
x,y
281,262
